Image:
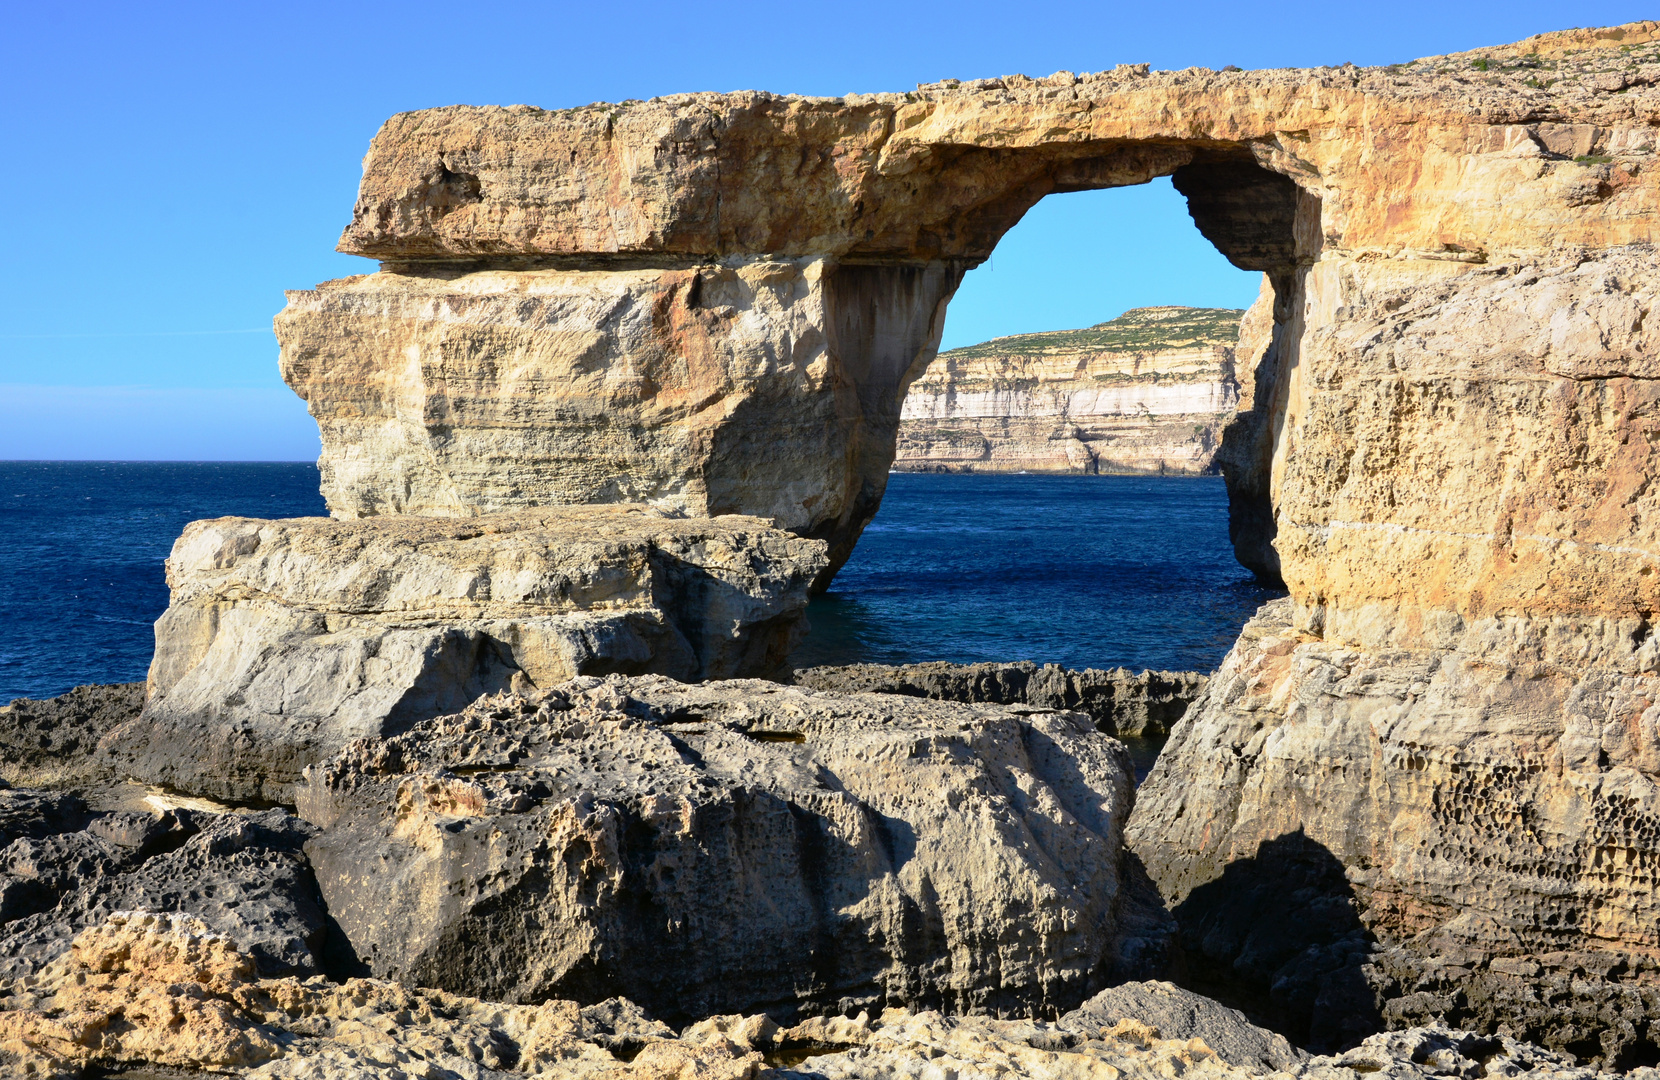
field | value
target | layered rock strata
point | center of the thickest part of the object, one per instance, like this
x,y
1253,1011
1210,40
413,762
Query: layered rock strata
x,y
1443,446
286,640
731,847
144,992
642,302
1147,392
1392,836
1144,705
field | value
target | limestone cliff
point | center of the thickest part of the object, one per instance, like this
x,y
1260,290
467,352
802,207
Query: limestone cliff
x,y
1147,392
1445,441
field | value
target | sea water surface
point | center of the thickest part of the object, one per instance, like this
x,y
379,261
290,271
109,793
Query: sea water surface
x,y
1082,571
81,551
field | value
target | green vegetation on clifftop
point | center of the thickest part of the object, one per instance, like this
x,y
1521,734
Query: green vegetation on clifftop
x,y
1148,329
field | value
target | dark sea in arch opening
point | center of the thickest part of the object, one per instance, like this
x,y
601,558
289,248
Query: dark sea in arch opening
x,y
1081,571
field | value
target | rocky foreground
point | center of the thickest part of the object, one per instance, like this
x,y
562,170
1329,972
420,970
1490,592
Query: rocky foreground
x,y
533,886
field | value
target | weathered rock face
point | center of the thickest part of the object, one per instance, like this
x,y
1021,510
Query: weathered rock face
x,y
645,302
1144,705
145,991
730,847
763,386
1147,392
1486,815
285,640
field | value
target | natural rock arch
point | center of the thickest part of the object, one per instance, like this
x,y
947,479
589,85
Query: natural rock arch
x,y
1446,446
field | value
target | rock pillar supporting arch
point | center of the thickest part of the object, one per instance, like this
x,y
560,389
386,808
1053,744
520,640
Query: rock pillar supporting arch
x,y
1447,447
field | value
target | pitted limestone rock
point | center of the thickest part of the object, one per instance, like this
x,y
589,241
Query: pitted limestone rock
x,y
1488,813
730,847
285,640
239,873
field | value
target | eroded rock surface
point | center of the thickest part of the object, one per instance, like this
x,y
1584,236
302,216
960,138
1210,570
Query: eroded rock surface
x,y
142,989
1147,392
65,868
1462,834
731,847
143,992
903,1046
54,741
767,387
285,640
1144,705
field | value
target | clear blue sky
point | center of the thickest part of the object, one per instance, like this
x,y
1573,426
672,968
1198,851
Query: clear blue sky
x,y
171,168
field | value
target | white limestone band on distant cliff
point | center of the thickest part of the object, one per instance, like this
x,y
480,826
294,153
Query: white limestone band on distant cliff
x,y
1147,392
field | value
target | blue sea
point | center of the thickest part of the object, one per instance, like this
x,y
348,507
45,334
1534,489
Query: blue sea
x,y
1082,571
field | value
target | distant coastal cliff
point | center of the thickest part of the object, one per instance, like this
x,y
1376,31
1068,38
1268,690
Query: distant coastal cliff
x,y
1147,392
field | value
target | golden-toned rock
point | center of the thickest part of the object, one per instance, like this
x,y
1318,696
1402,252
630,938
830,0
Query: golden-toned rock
x,y
1444,443
160,990
1147,392
1450,155
146,992
644,302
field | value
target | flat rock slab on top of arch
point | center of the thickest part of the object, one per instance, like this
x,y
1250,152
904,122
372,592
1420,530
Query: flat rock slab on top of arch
x,y
943,171
1445,440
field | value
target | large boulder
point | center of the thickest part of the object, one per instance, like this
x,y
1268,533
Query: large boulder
x,y
285,640
1181,1014
736,846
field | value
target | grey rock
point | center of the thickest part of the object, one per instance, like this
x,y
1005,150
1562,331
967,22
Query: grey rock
x,y
620,1026
28,814
731,847
36,871
285,640
1440,1051
1123,703
242,874
53,741
1182,1014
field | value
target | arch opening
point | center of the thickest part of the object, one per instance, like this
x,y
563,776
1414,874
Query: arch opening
x,y
886,608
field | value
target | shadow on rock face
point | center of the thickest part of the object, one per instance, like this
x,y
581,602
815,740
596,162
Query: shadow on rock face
x,y
1279,936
